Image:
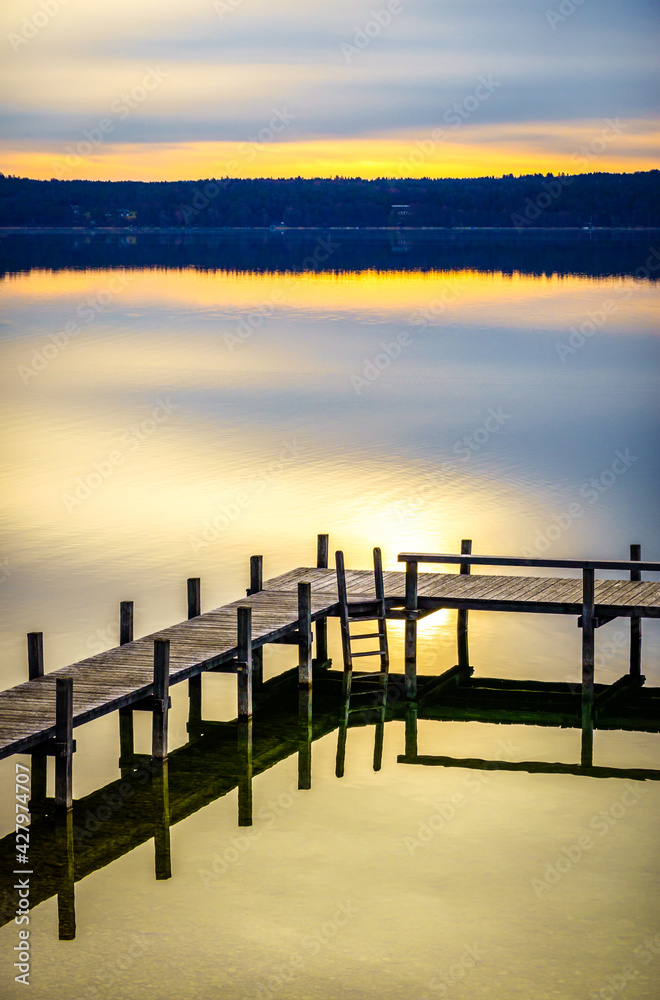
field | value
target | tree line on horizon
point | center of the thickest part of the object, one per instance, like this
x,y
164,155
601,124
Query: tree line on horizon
x,y
530,201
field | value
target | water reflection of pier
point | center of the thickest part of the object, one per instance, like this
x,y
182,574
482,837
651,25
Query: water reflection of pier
x,y
152,795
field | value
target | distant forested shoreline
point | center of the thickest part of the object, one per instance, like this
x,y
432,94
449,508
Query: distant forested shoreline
x,y
527,202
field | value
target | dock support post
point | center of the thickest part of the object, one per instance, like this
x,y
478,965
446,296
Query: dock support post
x,y
635,621
194,683
305,737
125,622
305,629
244,657
35,643
588,650
245,773
256,586
64,741
322,549
411,631
160,798
66,902
126,729
256,575
161,698
39,762
462,619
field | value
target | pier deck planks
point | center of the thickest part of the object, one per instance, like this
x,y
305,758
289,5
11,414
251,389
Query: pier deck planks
x,y
123,676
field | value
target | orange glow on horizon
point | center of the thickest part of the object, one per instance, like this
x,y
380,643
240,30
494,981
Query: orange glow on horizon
x,y
472,152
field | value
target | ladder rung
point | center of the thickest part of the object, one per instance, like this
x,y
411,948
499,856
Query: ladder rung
x,y
367,694
371,675
368,635
364,618
366,708
372,652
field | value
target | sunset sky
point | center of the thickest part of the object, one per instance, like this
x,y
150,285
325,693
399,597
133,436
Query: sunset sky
x,y
187,89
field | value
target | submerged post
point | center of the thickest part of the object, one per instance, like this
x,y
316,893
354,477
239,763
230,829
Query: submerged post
x,y
244,657
635,620
161,698
588,650
462,619
305,630
322,550
193,585
411,631
64,744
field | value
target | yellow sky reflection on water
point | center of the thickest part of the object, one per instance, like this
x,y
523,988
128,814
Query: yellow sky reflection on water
x,y
260,449
427,297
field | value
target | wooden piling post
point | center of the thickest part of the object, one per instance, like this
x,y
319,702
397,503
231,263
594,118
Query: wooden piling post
x,y
256,575
125,622
588,649
64,741
322,551
245,773
39,762
244,657
161,698
256,586
194,593
193,585
411,631
305,629
635,621
462,618
126,729
35,644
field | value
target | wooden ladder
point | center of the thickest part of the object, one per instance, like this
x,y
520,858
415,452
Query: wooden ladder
x,y
371,685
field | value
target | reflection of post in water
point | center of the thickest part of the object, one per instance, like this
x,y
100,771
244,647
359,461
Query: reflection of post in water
x,y
304,736
160,798
66,905
245,772
587,746
411,729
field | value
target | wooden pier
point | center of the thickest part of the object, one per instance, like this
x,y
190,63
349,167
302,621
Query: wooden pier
x,y
39,716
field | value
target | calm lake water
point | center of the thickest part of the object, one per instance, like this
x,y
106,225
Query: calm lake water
x,y
172,406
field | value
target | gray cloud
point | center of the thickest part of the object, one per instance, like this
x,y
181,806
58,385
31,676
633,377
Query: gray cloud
x,y
599,62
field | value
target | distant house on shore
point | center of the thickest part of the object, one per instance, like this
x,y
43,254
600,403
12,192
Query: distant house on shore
x,y
400,213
